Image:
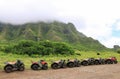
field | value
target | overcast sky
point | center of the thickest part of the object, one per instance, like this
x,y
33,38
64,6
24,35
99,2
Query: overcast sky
x,y
99,19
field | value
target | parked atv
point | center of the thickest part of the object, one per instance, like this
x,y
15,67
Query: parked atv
x,y
99,61
58,64
111,60
89,61
73,63
13,66
39,65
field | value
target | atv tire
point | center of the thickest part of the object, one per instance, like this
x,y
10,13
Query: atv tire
x,y
109,62
77,64
70,64
34,66
45,67
54,66
84,63
115,62
8,68
96,62
22,68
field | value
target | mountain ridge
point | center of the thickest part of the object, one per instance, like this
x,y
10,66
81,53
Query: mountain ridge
x,y
53,31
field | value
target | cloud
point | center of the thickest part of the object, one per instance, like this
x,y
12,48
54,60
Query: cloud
x,y
116,25
110,42
19,11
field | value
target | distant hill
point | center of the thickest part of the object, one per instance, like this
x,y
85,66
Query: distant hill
x,y
54,31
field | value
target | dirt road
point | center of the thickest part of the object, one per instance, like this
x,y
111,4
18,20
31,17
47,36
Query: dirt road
x,y
87,72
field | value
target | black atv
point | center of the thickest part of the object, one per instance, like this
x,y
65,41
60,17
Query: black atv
x,y
14,66
89,61
58,64
73,63
99,61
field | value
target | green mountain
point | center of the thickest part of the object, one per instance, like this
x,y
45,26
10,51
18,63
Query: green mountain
x,y
54,31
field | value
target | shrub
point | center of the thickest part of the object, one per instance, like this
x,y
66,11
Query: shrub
x,y
118,51
40,48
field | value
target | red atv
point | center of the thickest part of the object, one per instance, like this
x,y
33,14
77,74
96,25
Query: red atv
x,y
39,65
111,60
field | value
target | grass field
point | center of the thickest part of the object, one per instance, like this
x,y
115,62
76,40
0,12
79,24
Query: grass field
x,y
27,60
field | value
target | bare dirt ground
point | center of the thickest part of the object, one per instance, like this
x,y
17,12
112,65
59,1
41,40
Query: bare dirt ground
x,y
86,72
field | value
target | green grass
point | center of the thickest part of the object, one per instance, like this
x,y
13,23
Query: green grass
x,y
27,60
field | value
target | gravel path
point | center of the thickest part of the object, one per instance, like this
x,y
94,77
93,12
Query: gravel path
x,y
86,72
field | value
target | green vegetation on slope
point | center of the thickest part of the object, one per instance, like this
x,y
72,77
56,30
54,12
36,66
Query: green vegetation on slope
x,y
54,31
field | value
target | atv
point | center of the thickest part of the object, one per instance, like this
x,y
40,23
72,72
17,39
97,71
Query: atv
x,y
89,61
73,63
14,66
99,61
39,65
58,64
112,60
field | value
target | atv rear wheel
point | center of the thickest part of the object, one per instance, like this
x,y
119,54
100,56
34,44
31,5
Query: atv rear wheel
x,y
96,62
109,62
70,64
54,66
84,63
8,68
34,66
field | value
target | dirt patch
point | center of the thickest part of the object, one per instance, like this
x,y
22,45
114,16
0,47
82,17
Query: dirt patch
x,y
86,72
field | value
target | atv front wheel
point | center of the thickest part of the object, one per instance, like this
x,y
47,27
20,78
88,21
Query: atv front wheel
x,y
115,62
21,68
45,67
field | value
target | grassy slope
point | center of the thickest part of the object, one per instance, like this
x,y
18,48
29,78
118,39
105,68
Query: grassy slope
x,y
27,60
